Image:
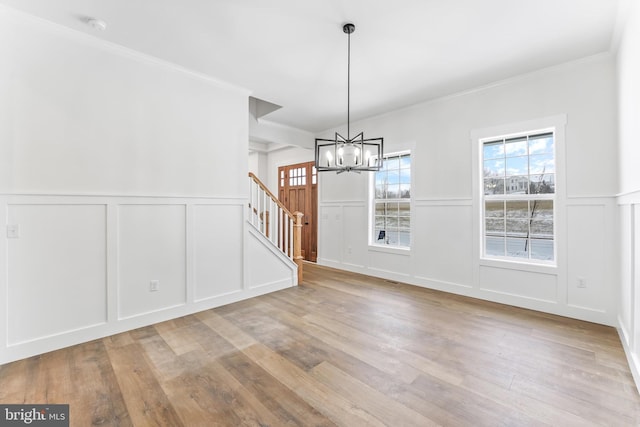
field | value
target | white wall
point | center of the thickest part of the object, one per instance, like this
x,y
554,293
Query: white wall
x,y
118,169
629,184
444,221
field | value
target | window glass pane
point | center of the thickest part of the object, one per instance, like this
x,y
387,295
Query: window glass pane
x,y
517,166
379,192
541,163
517,227
517,209
405,176
542,249
380,209
542,210
494,226
405,161
494,209
379,235
517,247
393,163
493,150
393,191
405,191
404,222
494,246
404,238
393,177
493,168
515,147
380,222
404,209
541,144
543,184
392,221
494,186
542,228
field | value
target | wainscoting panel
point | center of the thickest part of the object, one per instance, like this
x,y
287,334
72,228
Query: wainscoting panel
x,y
443,237
523,284
56,269
355,234
330,233
151,247
587,278
626,267
218,250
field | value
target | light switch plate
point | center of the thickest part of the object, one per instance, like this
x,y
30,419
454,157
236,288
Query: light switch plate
x,y
13,231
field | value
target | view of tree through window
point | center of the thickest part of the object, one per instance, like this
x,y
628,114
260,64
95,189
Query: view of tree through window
x,y
392,202
518,197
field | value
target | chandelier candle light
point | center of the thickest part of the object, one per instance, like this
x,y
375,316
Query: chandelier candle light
x,y
349,154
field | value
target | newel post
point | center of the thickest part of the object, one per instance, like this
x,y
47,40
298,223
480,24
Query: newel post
x,y
297,243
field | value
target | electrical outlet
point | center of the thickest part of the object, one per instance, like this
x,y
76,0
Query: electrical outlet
x,y
13,231
154,286
581,282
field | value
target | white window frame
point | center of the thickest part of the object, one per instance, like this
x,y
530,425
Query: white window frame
x,y
372,202
557,125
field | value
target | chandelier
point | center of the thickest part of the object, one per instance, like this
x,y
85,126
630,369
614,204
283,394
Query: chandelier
x,y
349,154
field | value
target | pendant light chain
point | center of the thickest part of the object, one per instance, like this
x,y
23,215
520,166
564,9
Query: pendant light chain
x,y
349,86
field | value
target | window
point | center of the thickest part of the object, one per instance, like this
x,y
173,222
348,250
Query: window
x,y
391,202
518,197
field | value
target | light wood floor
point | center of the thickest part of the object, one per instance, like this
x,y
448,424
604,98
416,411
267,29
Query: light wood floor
x,y
341,349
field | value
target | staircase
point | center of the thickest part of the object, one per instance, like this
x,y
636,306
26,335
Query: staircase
x,y
274,221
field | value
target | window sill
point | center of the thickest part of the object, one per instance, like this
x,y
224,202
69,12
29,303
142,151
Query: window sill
x,y
514,264
390,250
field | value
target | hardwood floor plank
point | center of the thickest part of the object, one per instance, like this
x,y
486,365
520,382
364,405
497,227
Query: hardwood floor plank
x,y
230,332
213,397
339,409
147,404
288,406
97,397
377,404
562,397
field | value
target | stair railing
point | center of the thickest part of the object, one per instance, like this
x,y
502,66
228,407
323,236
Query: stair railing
x,y
275,221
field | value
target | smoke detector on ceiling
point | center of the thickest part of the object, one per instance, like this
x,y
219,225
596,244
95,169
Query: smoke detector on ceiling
x,y
96,24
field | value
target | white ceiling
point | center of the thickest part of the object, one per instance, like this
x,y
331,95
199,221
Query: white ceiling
x,y
293,52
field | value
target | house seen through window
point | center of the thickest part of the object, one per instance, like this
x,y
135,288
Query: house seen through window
x,y
391,202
